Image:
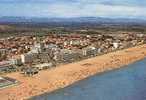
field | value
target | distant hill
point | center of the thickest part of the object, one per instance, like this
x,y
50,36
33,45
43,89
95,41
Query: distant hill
x,y
9,19
9,24
5,27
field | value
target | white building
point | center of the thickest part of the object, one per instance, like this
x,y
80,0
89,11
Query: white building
x,y
89,51
116,45
28,57
66,55
38,48
43,66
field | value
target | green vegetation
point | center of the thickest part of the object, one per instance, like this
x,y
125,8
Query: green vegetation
x,y
41,29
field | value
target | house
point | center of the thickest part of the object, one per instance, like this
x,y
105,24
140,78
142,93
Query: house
x,y
116,45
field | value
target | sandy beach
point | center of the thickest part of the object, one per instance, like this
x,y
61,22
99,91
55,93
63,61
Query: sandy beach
x,y
64,75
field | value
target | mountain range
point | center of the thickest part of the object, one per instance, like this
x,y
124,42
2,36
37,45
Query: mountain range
x,y
11,19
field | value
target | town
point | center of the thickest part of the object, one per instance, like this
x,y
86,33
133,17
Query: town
x,y
72,50
30,54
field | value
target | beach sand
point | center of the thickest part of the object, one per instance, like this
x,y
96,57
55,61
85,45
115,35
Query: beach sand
x,y
64,75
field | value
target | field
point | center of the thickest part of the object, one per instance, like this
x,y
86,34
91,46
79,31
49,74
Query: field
x,y
67,26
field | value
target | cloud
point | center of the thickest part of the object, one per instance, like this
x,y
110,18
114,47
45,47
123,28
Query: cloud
x,y
72,8
106,2
125,2
35,1
96,10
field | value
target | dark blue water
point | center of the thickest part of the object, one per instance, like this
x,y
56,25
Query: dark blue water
x,y
127,83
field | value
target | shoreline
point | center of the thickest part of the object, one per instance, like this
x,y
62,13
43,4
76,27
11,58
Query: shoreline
x,y
65,75
99,74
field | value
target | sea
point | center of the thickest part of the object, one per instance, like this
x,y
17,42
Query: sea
x,y
126,83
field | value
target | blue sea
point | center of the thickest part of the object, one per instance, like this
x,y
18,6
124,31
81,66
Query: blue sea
x,y
127,83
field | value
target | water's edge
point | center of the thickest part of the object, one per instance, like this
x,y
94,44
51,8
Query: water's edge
x,y
88,78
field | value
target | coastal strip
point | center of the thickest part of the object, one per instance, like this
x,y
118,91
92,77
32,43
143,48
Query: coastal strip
x,y
65,75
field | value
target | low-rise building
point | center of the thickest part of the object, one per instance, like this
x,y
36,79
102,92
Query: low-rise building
x,y
6,81
3,54
30,71
43,66
116,45
16,61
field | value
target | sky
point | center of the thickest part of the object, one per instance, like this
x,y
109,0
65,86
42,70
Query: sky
x,y
74,8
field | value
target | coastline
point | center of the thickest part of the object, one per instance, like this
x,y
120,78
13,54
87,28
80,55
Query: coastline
x,y
65,75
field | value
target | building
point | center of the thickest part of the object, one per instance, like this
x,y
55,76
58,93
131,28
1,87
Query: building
x,y
3,54
66,55
38,48
75,42
29,57
4,66
6,81
16,61
116,45
62,55
7,68
3,51
43,66
90,51
51,48
44,57
30,71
